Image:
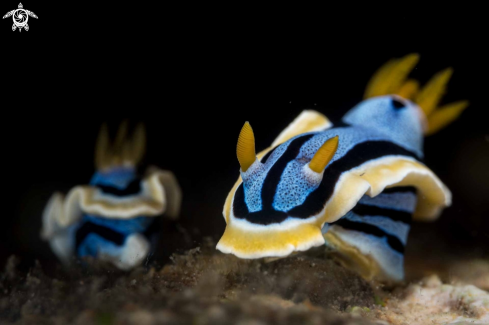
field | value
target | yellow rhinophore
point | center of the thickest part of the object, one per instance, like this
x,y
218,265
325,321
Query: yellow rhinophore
x,y
245,150
324,155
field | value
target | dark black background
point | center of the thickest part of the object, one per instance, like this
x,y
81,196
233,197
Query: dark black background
x,y
194,74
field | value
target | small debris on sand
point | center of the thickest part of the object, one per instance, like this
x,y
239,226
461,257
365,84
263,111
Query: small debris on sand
x,y
203,286
432,302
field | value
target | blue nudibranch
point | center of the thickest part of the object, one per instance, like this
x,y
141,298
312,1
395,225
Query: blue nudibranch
x,y
114,218
354,185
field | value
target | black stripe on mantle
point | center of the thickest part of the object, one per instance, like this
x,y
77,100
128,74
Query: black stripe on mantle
x,y
133,188
366,228
314,203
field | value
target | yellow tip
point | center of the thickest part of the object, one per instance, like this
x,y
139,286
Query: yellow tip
x,y
102,148
324,155
409,89
118,146
429,97
391,76
445,115
138,143
245,149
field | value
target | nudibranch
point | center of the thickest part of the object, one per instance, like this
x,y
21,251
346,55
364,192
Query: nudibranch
x,y
354,185
116,217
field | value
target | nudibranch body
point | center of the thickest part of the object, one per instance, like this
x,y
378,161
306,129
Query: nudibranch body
x,y
354,185
115,217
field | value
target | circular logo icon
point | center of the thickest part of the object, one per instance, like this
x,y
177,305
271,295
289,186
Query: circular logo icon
x,y
20,17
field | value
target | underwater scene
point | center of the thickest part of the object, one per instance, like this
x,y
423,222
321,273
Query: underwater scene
x,y
184,166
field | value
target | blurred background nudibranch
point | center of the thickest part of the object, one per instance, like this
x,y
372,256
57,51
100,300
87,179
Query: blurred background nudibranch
x,y
116,217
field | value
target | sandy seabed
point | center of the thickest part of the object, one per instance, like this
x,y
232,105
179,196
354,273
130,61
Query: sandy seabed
x,y
204,286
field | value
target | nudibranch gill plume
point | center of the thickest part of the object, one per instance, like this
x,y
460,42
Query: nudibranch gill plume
x,y
115,217
354,185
